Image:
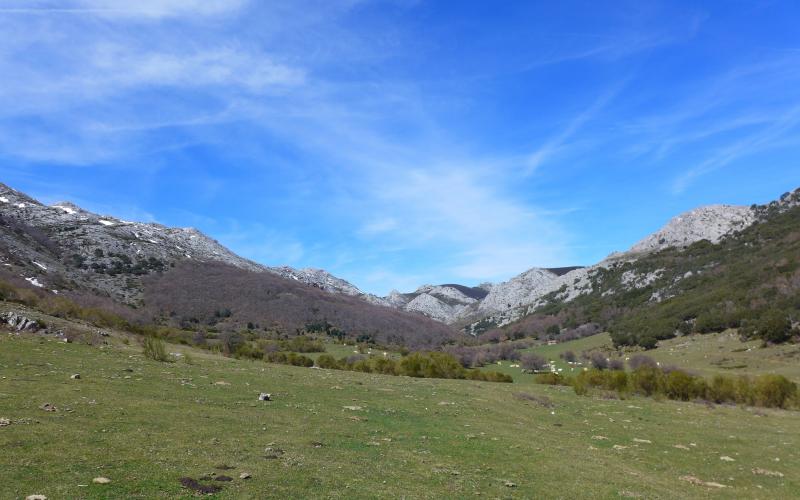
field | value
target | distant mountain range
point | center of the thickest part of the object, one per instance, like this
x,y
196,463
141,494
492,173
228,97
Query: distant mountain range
x,y
178,276
68,250
505,302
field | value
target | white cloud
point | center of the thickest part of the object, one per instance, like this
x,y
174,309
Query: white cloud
x,y
118,67
559,141
83,90
748,145
465,212
148,9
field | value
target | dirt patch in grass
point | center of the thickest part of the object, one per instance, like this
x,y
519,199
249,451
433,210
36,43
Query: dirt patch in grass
x,y
542,401
194,485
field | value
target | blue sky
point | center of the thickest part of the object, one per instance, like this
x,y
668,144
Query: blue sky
x,y
396,143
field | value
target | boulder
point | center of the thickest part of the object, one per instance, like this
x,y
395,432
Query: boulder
x,y
20,323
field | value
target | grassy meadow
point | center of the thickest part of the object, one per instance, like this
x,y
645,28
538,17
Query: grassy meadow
x,y
336,434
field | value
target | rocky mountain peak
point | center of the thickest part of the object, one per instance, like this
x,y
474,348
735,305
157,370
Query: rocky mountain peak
x,y
108,246
705,223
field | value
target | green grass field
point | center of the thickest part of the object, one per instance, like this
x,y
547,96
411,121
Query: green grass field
x,y
705,355
145,424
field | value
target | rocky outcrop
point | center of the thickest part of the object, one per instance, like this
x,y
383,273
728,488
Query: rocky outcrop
x,y
319,278
523,294
448,303
20,323
110,254
705,223
518,291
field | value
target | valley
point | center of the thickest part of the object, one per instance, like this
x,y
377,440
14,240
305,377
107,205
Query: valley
x,y
145,425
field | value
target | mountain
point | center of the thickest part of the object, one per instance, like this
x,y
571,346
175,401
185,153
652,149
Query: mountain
x,y
710,223
508,301
133,267
523,294
446,303
741,271
68,250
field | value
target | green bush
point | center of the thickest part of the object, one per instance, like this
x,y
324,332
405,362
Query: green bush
x,y
299,360
680,385
249,351
647,380
615,380
155,349
774,326
302,344
383,365
774,391
580,387
722,389
289,358
431,365
744,391
327,361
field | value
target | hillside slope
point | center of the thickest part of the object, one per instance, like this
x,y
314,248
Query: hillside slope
x,y
126,266
145,425
524,294
748,280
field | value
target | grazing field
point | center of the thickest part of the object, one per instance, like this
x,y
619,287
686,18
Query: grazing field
x,y
146,425
725,353
707,355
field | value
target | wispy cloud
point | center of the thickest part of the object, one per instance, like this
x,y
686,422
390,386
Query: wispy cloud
x,y
89,89
465,210
747,145
416,145
148,9
559,141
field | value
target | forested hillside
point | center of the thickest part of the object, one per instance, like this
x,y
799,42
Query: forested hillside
x,y
749,280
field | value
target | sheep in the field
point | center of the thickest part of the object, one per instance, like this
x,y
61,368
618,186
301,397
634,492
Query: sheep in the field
x,y
265,397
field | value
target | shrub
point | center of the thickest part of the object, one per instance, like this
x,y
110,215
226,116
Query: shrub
x,y
774,327
155,349
568,356
598,360
431,365
618,381
351,360
230,343
580,387
681,385
490,376
383,365
722,389
744,391
247,350
299,360
550,378
648,380
533,362
640,360
303,344
362,366
616,364
327,361
276,357
773,391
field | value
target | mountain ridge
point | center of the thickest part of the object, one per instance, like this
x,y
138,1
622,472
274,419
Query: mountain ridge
x,y
100,260
102,239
